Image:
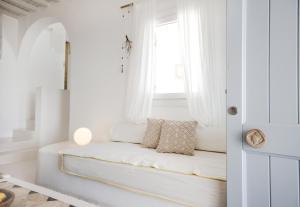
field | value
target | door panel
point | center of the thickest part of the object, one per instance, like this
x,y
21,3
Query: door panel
x,y
271,102
258,60
283,61
284,182
272,61
258,180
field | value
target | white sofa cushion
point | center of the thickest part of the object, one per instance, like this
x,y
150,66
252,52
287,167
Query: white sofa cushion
x,y
208,139
128,132
203,164
187,180
211,139
190,189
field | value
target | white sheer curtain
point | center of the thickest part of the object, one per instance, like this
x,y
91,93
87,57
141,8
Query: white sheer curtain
x,y
141,72
204,77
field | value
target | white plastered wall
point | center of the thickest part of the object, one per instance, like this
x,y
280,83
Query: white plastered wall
x,y
8,77
23,70
96,30
45,65
96,82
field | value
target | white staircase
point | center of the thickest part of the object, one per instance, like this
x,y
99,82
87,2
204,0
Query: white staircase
x,y
23,134
21,146
52,106
17,151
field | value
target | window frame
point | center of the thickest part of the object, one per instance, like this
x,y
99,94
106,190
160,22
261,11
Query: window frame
x,y
169,96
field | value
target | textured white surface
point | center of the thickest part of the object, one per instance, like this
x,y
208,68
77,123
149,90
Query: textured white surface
x,y
51,177
203,164
188,189
193,189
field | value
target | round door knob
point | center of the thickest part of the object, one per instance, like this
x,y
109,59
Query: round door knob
x,y
255,138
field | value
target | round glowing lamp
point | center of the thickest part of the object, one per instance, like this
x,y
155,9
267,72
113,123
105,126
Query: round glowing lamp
x,y
82,136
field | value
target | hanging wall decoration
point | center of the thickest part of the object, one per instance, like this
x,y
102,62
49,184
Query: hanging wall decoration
x,y
127,43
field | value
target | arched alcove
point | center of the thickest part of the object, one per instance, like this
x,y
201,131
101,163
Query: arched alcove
x,y
31,35
41,62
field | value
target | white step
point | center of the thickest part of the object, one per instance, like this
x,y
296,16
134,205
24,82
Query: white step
x,y
4,140
23,134
13,146
18,156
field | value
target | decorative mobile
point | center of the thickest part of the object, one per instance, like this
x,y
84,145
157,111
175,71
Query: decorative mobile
x,y
128,45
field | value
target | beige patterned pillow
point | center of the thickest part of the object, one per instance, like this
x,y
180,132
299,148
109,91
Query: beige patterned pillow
x,y
152,135
178,137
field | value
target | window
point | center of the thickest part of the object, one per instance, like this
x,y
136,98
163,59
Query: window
x,y
169,65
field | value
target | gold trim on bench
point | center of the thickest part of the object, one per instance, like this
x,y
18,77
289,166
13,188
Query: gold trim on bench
x,y
222,179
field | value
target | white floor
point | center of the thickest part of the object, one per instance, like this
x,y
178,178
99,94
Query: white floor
x,y
25,170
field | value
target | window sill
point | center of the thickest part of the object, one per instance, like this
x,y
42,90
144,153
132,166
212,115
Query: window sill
x,y
169,96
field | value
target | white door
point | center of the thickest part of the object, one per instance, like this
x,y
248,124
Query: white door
x,y
263,83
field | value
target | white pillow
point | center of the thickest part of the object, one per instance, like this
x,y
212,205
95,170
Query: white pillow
x,y
211,139
128,132
208,139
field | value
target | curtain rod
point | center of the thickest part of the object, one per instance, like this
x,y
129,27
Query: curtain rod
x,y
126,5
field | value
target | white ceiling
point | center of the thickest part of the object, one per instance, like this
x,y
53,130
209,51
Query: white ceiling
x,y
19,8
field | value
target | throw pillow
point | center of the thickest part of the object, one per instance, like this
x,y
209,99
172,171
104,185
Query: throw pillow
x,y
152,135
178,137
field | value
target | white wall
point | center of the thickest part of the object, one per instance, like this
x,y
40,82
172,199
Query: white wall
x,y
97,85
8,77
52,115
45,65
95,30
20,76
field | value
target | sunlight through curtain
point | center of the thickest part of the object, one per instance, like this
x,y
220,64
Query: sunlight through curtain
x,y
204,82
141,73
